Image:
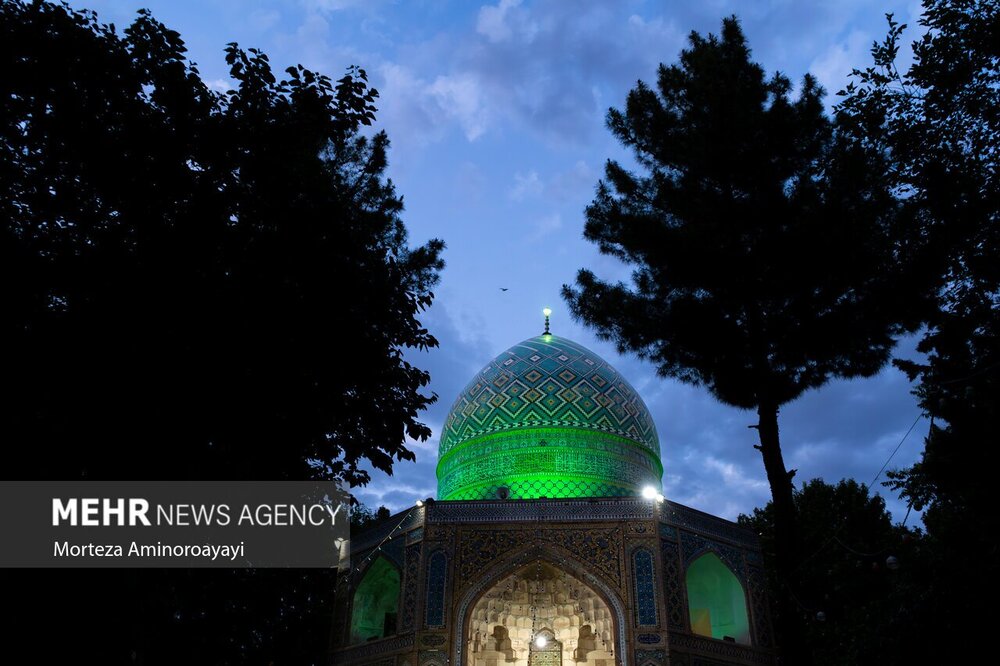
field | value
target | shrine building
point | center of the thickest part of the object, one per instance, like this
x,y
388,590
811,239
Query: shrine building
x,y
549,543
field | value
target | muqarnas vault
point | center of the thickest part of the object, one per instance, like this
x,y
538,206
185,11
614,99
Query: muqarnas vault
x,y
546,545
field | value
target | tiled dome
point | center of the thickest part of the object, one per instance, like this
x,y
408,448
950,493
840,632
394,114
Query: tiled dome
x,y
547,418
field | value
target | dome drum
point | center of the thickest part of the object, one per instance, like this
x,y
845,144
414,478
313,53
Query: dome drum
x,y
547,418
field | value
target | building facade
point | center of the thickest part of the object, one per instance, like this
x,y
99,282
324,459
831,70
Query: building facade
x,y
549,544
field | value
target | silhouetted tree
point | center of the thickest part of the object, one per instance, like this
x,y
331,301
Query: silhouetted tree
x,y
849,589
194,285
762,242
198,284
362,517
939,120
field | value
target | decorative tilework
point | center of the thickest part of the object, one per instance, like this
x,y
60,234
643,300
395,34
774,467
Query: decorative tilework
x,y
600,549
393,549
373,536
668,532
589,464
680,641
655,657
600,437
431,658
409,601
679,515
673,585
572,510
644,586
437,578
365,651
695,545
433,640
475,587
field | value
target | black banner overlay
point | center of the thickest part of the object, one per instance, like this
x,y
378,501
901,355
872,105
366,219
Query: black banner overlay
x,y
152,524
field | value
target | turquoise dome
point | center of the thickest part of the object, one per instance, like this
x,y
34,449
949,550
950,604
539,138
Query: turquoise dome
x,y
547,418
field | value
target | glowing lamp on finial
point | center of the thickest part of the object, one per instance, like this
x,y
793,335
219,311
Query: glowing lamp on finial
x,y
547,312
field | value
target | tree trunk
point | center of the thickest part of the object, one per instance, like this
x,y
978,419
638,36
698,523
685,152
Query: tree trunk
x,y
789,620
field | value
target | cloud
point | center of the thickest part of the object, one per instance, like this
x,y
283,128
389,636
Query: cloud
x,y
406,108
460,97
499,23
546,225
833,68
221,85
419,111
332,5
525,186
547,67
261,19
575,184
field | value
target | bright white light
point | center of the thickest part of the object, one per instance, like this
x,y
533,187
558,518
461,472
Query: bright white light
x,y
547,311
649,492
659,497
541,641
420,502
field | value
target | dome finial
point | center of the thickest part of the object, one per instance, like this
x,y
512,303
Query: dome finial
x,y
547,312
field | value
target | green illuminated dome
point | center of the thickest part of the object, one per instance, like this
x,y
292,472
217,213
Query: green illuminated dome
x,y
547,418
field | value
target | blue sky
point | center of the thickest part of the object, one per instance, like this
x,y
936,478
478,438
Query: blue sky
x,y
496,116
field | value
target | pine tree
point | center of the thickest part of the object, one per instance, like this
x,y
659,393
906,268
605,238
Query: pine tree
x,y
762,238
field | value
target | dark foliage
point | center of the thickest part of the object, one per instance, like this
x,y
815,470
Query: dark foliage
x,y
763,238
198,285
195,285
940,123
851,596
362,517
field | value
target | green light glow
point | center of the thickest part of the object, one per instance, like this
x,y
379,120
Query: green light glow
x,y
547,418
373,614
716,600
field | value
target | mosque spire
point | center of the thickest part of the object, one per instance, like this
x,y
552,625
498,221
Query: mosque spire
x,y
547,312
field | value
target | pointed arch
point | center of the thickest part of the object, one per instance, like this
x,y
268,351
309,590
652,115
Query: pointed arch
x,y
375,603
717,602
556,557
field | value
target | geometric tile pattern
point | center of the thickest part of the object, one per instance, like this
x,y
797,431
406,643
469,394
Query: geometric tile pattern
x,y
437,575
599,548
546,487
676,606
547,418
695,545
411,571
548,378
650,657
546,462
644,586
725,650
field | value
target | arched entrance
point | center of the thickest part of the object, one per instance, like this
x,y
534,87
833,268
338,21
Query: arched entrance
x,y
540,615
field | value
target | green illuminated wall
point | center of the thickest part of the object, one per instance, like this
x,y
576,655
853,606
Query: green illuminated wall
x,y
716,600
547,418
377,595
